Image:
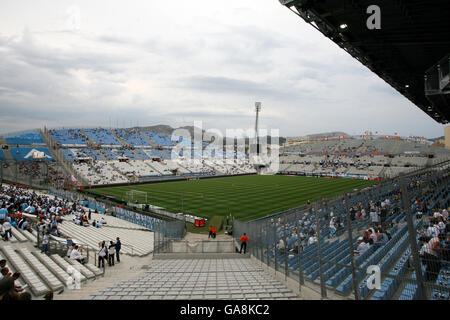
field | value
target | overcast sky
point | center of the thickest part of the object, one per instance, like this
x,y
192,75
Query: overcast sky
x,y
127,63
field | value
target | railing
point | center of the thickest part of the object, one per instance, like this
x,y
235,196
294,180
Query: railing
x,y
59,247
35,174
18,133
165,233
200,246
329,266
129,246
54,149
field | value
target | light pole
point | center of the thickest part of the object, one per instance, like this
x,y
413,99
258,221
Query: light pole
x,y
257,109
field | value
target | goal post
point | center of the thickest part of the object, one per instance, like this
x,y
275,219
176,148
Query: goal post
x,y
136,197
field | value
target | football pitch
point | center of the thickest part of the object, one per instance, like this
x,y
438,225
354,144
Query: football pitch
x,y
244,197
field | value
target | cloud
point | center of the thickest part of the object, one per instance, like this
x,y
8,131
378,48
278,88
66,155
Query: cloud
x,y
173,63
227,85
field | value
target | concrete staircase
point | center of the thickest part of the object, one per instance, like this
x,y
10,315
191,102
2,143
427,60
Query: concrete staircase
x,y
59,157
156,146
287,168
100,152
198,279
224,276
87,137
117,171
43,273
118,137
8,155
165,153
128,268
396,147
382,172
150,141
136,154
363,147
153,167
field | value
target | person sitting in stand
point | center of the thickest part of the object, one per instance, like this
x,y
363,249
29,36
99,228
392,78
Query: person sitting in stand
x,y
76,255
383,237
7,230
361,246
4,272
55,232
373,235
431,255
7,285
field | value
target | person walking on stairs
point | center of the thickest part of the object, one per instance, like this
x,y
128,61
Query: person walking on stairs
x,y
244,240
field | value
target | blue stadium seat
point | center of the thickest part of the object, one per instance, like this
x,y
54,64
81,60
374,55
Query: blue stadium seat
x,y
68,137
26,139
132,136
159,139
103,137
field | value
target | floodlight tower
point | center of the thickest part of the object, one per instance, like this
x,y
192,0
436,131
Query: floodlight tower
x,y
257,109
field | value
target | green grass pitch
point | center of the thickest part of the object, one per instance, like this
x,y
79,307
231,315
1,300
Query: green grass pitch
x,y
245,197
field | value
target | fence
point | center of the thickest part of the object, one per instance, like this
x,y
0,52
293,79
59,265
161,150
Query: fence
x,y
320,246
201,246
59,246
55,149
165,233
36,174
106,208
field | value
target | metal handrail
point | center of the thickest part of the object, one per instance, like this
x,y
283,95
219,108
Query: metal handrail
x,y
130,246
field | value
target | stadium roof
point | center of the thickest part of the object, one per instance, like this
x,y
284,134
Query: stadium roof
x,y
414,36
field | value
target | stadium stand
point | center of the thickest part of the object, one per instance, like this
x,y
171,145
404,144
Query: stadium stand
x,y
199,279
69,137
359,157
80,154
100,172
134,168
43,272
142,154
26,139
158,139
92,154
392,256
132,137
154,153
102,137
